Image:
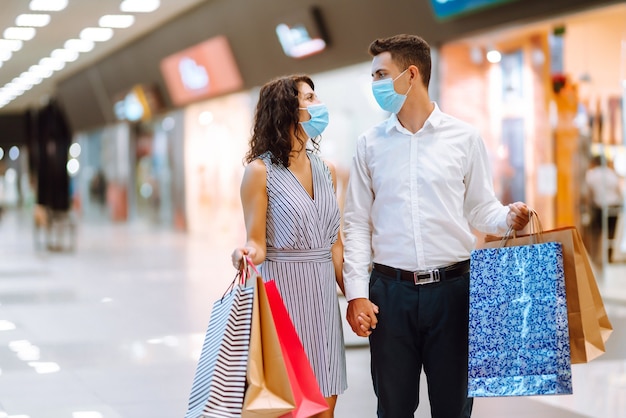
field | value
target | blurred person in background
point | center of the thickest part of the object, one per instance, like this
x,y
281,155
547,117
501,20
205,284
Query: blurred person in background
x,y
292,221
418,181
605,192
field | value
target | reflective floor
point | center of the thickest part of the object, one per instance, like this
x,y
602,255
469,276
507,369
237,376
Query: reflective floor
x,y
113,329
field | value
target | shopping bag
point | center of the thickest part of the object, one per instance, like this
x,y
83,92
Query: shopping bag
x,y
219,383
518,335
269,392
589,325
307,395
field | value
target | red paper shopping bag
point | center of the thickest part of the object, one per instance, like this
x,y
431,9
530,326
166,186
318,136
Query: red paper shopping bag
x,y
306,390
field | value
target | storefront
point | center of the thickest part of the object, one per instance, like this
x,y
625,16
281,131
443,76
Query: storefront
x,y
547,97
100,183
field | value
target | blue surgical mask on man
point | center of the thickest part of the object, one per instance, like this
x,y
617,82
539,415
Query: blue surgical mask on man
x,y
386,96
318,122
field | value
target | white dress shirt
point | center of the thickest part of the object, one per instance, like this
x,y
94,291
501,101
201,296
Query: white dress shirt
x,y
411,198
605,186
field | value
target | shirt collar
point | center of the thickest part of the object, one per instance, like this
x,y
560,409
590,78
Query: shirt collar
x,y
434,120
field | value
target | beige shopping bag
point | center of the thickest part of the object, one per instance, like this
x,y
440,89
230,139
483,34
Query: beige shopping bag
x,y
589,325
269,392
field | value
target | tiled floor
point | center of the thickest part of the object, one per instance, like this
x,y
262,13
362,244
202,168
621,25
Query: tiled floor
x,y
113,330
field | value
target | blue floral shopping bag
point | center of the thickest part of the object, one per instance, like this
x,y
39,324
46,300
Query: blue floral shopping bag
x,y
518,330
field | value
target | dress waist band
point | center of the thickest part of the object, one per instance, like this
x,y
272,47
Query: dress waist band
x,y
314,255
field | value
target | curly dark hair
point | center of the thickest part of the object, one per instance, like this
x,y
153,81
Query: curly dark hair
x,y
406,50
276,120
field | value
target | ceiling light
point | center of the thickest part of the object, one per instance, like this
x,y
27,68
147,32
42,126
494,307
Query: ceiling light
x,y
25,82
79,45
96,34
139,6
494,56
9,95
37,21
11,44
5,55
116,21
52,63
48,5
23,34
40,71
64,55
30,78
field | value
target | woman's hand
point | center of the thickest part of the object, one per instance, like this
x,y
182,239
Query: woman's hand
x,y
239,253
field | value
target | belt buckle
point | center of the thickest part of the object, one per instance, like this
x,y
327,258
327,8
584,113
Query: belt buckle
x,y
434,276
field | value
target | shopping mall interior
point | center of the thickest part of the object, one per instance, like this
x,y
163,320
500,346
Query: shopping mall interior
x,y
120,170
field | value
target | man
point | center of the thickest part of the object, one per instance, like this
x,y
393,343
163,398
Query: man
x,y
418,181
604,191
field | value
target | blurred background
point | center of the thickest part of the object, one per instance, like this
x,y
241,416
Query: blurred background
x,y
123,126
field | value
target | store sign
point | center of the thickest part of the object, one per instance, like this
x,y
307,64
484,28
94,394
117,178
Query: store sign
x,y
202,71
447,9
302,33
140,103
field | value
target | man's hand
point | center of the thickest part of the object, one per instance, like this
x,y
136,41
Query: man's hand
x,y
518,216
361,316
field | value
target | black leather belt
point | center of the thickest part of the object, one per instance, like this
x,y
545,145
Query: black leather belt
x,y
426,276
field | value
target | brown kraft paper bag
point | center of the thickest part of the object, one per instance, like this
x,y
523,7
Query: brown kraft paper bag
x,y
269,393
589,325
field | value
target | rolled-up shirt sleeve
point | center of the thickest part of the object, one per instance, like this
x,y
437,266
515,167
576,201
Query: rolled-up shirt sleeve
x,y
358,227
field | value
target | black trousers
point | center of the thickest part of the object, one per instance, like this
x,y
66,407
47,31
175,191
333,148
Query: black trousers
x,y
423,326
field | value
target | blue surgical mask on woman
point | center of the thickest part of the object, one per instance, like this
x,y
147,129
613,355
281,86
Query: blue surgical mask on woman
x,y
386,95
318,122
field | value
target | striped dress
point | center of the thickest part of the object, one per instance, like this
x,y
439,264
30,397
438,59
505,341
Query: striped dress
x,y
300,233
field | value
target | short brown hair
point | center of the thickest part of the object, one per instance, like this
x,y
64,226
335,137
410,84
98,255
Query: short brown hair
x,y
406,50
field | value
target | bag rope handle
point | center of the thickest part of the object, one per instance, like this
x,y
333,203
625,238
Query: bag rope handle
x,y
535,230
242,275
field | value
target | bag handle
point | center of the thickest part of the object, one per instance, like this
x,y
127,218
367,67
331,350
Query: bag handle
x,y
243,275
247,268
535,230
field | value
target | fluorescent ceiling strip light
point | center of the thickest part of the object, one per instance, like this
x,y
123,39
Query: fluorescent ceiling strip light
x,y
21,33
5,55
40,71
30,78
96,34
48,5
139,6
37,21
11,44
52,63
116,21
14,89
79,45
64,55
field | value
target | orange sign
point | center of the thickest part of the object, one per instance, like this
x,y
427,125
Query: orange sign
x,y
202,71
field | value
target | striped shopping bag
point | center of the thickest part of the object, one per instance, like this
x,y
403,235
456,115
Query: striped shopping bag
x,y
219,384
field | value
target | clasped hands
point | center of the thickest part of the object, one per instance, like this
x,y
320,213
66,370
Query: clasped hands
x,y
361,316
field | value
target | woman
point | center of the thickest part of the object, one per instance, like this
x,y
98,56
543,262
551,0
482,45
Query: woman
x,y
292,221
